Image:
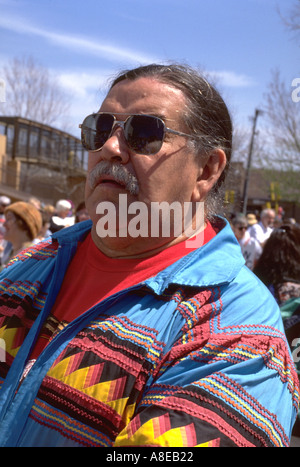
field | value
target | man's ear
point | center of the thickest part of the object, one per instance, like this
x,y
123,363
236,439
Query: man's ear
x,y
210,171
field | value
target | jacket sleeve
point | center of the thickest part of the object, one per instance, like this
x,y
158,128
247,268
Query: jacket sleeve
x,y
219,389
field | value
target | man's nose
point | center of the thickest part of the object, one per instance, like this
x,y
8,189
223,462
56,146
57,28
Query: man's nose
x,y
115,148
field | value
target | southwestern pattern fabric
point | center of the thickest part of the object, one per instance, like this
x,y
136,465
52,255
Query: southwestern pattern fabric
x,y
173,365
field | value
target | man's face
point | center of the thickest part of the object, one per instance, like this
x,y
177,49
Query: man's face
x,y
157,174
171,174
239,230
11,226
2,208
268,219
63,213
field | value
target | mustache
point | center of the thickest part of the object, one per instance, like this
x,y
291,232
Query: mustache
x,y
119,173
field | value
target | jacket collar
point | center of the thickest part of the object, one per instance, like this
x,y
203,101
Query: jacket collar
x,y
73,234
215,263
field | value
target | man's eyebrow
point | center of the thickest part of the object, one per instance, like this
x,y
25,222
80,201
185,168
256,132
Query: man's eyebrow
x,y
153,113
159,115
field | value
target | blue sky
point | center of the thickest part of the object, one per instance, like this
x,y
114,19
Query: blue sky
x,y
85,42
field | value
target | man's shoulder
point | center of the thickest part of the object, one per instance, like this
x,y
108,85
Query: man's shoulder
x,y
249,300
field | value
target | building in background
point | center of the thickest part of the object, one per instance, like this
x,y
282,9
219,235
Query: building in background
x,y
41,161
267,189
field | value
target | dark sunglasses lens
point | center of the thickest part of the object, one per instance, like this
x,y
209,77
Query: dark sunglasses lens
x,y
96,130
144,134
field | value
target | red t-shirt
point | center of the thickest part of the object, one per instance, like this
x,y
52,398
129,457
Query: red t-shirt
x,y
93,276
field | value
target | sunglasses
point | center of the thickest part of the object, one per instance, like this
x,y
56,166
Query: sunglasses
x,y
242,228
144,134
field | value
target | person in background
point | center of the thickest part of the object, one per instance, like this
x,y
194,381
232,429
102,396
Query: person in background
x,y
44,231
81,213
250,247
5,246
251,219
63,216
4,202
290,220
23,223
36,202
49,211
161,339
279,269
279,264
3,242
262,230
277,222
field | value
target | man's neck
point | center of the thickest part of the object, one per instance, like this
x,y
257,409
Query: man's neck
x,y
140,247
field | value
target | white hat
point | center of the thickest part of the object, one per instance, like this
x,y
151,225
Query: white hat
x,y
4,200
62,205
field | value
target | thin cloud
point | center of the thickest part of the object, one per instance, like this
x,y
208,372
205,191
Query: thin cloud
x,y
111,52
80,84
85,85
76,43
232,79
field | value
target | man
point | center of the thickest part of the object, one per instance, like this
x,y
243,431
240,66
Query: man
x,y
4,202
262,230
62,217
251,249
251,219
118,339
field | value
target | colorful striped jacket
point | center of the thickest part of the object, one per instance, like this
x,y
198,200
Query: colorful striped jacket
x,y
195,356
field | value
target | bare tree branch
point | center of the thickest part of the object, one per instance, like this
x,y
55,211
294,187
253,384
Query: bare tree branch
x,y
283,117
33,93
280,154
292,20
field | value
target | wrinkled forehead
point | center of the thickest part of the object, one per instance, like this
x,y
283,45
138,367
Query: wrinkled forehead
x,y
144,95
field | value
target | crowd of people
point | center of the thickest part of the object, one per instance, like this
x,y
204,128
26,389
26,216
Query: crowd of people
x,y
25,223
270,245
271,251
271,248
142,340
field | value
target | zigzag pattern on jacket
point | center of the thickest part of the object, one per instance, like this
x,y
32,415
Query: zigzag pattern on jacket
x,y
116,383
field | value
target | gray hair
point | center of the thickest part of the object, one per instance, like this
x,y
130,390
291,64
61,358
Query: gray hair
x,y
63,205
267,212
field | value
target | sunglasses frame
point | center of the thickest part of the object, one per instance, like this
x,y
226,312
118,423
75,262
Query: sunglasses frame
x,y
122,124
